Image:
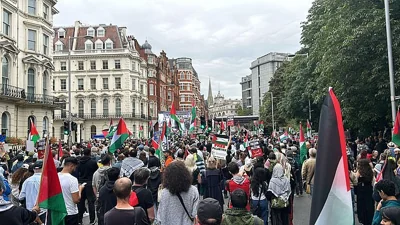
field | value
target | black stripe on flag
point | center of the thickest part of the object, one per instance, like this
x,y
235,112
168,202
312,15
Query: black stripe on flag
x,y
331,148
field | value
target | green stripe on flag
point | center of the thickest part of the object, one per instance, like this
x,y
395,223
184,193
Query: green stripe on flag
x,y
57,208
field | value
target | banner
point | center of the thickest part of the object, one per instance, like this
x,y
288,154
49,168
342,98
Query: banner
x,y
183,116
219,146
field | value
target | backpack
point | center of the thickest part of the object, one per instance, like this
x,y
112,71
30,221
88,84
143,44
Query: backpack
x,y
104,179
133,199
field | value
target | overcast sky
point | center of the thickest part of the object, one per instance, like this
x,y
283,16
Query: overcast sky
x,y
222,37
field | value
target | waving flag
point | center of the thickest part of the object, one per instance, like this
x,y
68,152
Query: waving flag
x,y
33,133
331,202
193,120
60,150
303,148
396,131
120,135
50,192
111,130
308,129
162,144
174,117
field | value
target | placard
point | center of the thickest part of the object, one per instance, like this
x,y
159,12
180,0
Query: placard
x,y
255,149
220,144
30,147
41,148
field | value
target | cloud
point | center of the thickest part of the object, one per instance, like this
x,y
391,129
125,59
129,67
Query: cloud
x,y
222,37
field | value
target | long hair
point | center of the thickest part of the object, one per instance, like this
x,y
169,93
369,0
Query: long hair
x,y
18,175
365,169
177,178
258,180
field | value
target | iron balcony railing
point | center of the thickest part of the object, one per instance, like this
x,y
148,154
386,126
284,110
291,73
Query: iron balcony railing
x,y
40,99
89,116
12,92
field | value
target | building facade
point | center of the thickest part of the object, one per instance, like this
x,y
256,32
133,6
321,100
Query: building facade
x,y
109,79
223,107
27,68
246,84
262,70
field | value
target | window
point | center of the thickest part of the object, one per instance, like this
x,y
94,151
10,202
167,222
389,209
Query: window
x,y
134,130
59,47
45,81
90,32
117,64
54,85
61,33
142,89
151,89
109,44
105,107
133,107
31,84
5,72
105,64
45,44
141,109
32,7
100,32
182,76
63,84
151,106
150,59
88,45
92,65
99,45
182,98
118,83
63,66
134,66
81,108
92,131
6,22
32,40
134,84
45,125
80,84
93,83
4,124
105,83
93,108
118,107
45,11
169,95
80,65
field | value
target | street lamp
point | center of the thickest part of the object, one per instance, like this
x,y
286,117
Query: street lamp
x,y
390,60
69,86
272,109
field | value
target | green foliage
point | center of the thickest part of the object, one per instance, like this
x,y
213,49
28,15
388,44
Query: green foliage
x,y
346,45
243,112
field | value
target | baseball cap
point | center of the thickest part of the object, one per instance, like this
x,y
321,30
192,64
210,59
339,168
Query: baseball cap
x,y
38,164
25,166
209,208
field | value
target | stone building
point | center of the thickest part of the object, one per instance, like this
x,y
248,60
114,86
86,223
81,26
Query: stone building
x,y
223,107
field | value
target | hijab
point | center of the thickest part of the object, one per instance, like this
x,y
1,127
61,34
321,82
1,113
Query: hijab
x,y
281,159
279,184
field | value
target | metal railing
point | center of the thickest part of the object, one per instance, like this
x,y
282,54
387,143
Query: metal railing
x,y
39,99
89,116
11,91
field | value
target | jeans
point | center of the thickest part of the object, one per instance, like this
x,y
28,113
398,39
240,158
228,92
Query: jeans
x,y
87,194
263,209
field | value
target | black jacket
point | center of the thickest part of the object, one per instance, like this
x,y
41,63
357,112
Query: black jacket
x,y
17,215
87,167
107,200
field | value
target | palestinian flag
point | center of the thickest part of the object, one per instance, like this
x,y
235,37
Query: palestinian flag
x,y
154,144
120,135
303,148
193,120
331,202
60,150
111,130
174,117
162,143
140,131
50,192
396,131
308,129
33,133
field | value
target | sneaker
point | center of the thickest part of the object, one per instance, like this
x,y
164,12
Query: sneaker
x,y
85,214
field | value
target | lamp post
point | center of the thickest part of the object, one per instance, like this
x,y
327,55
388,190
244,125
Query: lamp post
x,y
69,87
272,109
390,60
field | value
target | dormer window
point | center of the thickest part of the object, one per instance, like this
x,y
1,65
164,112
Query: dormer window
x,y
59,46
90,32
99,44
88,45
100,32
109,44
61,33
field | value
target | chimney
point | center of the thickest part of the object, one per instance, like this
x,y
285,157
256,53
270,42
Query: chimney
x,y
78,24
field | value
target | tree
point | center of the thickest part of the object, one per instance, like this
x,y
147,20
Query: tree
x,y
243,112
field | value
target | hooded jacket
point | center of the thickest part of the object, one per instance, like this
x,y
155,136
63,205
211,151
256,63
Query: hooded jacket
x,y
107,199
87,167
12,215
98,175
378,217
237,216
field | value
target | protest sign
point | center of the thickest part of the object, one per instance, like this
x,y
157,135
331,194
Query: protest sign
x,y
255,149
219,146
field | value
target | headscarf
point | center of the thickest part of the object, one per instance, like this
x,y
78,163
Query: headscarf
x,y
279,184
190,163
281,159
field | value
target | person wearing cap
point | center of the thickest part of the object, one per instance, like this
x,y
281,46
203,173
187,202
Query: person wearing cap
x,y
30,189
30,157
19,163
209,212
100,173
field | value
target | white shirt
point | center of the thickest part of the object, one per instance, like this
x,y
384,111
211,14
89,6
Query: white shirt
x,y
69,185
30,190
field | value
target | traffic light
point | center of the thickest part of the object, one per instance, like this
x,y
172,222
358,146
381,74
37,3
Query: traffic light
x,y
202,122
66,128
209,124
74,126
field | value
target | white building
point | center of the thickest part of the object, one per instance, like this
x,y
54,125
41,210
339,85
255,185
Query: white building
x,y
109,79
26,74
262,70
223,107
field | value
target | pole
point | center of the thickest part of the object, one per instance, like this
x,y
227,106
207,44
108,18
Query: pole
x,y
272,109
309,110
69,95
390,60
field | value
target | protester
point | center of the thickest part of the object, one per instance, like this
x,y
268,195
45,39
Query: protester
x,y
238,214
107,199
118,164
308,170
390,216
100,176
144,196
168,157
259,187
71,190
387,191
190,164
155,175
238,181
364,190
16,184
130,164
211,180
179,199
123,213
209,212
19,163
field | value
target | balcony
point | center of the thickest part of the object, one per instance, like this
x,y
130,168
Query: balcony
x,y
39,99
11,92
99,116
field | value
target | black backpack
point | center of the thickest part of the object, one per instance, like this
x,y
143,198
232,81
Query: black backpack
x,y
104,179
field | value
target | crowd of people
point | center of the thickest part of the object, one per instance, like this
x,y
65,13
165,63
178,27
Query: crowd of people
x,y
188,185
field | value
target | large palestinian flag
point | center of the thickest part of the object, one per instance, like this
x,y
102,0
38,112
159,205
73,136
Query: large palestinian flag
x,y
303,148
33,133
120,135
331,197
396,130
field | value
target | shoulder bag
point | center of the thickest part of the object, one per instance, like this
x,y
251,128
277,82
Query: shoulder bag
x,y
183,204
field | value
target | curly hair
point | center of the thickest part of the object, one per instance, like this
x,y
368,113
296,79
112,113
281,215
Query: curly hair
x,y
18,175
365,169
177,178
